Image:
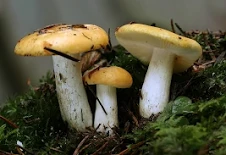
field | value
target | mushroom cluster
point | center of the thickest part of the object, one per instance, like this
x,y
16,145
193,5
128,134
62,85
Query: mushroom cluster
x,y
72,40
165,52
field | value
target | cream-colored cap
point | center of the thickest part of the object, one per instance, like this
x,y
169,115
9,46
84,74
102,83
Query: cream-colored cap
x,y
68,39
112,76
140,40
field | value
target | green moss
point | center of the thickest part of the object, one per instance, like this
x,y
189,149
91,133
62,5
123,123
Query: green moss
x,y
201,86
185,128
37,116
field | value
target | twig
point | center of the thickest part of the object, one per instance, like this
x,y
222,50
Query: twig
x,y
20,151
8,121
26,150
186,86
84,147
55,149
26,120
126,127
61,54
172,26
117,146
76,152
4,153
95,130
133,117
96,98
208,62
180,29
220,57
126,151
101,148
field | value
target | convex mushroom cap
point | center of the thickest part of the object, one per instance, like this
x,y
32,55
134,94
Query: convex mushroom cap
x,y
140,40
68,39
112,76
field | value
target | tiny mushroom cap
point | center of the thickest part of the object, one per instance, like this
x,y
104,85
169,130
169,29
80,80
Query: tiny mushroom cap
x,y
68,39
112,76
140,40
165,52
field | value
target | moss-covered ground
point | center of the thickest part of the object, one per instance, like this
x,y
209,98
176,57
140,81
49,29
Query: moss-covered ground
x,y
194,121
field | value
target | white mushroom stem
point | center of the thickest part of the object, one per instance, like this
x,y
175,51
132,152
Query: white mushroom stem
x,y
156,86
107,96
73,102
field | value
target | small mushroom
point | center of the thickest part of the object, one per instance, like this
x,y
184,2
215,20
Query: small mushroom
x,y
165,52
71,40
107,79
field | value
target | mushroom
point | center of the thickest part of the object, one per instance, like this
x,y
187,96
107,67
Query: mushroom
x,y
107,79
165,52
71,40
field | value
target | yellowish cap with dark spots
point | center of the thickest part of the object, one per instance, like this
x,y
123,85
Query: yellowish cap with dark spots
x,y
68,39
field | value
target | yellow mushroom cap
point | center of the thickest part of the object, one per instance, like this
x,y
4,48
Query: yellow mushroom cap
x,y
140,40
68,39
112,76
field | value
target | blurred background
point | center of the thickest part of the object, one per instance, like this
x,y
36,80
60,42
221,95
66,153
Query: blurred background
x,y
18,18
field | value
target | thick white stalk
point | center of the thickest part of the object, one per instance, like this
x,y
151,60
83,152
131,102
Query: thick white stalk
x,y
73,102
107,96
156,86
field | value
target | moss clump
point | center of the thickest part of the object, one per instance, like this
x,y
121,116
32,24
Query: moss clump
x,y
37,117
185,128
201,86
194,124
209,84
